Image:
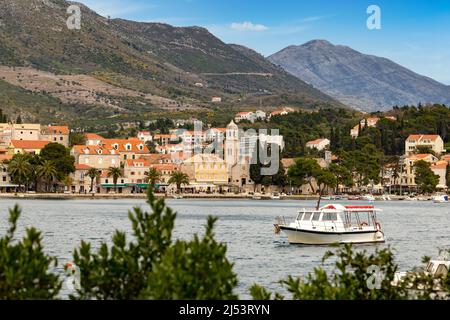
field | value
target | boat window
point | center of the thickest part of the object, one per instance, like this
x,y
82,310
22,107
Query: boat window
x,y
441,271
316,216
307,216
329,216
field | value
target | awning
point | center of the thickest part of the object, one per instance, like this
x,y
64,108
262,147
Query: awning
x,y
108,186
9,185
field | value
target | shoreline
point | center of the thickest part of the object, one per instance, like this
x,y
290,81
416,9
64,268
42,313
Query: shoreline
x,y
71,196
60,196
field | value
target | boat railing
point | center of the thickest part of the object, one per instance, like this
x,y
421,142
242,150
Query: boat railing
x,y
280,220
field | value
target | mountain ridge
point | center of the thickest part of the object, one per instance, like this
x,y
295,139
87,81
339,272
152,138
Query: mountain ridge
x,y
363,81
187,65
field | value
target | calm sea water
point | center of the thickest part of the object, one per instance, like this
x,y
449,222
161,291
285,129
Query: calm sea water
x,y
412,229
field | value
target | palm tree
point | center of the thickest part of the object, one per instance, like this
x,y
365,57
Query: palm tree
x,y
179,178
19,169
152,176
115,173
47,171
68,182
94,174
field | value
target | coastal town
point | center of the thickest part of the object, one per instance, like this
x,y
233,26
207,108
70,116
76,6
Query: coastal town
x,y
215,161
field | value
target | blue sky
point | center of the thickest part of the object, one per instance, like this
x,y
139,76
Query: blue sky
x,y
415,34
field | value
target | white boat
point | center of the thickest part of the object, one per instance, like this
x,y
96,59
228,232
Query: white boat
x,y
368,197
440,198
411,198
275,196
333,223
436,268
385,197
257,196
177,196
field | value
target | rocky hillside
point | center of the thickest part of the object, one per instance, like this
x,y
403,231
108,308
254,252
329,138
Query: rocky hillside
x,y
121,66
362,81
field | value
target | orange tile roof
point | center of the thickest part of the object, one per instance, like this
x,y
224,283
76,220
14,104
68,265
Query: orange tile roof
x,y
419,137
93,136
243,113
81,166
439,165
59,129
420,156
164,166
122,143
277,112
98,150
4,157
165,136
219,129
314,142
133,162
29,144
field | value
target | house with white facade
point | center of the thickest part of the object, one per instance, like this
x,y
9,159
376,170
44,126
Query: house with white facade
x,y
432,141
319,144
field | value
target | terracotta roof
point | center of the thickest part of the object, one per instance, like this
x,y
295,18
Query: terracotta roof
x,y
93,136
29,144
165,136
314,142
280,111
243,113
277,112
81,166
439,165
420,156
97,150
122,143
164,166
144,132
219,129
420,137
4,157
59,129
134,162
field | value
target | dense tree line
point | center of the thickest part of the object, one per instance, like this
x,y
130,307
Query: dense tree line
x,y
46,171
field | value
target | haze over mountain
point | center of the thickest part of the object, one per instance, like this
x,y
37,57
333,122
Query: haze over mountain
x,y
112,67
358,80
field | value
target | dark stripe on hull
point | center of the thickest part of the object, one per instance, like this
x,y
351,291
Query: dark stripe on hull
x,y
325,232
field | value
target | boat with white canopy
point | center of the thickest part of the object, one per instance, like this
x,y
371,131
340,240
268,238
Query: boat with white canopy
x,y
333,223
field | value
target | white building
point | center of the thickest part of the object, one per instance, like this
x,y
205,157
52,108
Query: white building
x,y
319,144
145,136
432,141
246,115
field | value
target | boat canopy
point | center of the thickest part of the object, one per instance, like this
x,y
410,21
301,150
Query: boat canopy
x,y
340,207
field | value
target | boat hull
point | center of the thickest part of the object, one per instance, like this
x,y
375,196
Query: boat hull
x,y
311,237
